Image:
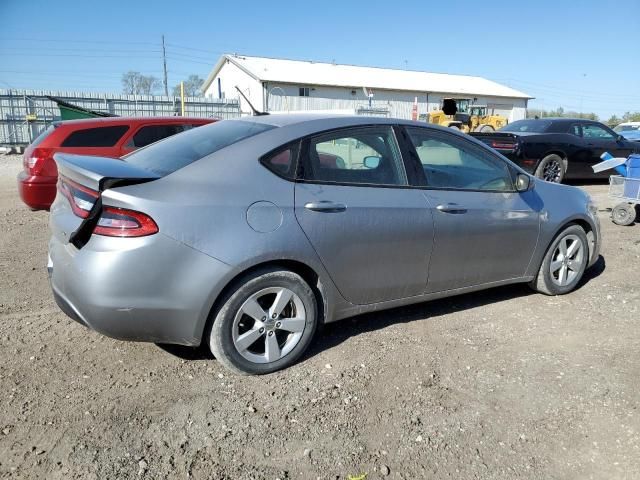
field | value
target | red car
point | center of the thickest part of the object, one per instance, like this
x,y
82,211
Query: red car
x,y
106,137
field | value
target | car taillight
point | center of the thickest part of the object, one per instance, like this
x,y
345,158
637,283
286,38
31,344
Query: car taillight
x,y
121,222
80,197
36,161
113,221
503,145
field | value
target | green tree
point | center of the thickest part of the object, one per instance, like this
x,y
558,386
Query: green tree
x,y
135,83
631,117
560,112
191,87
613,121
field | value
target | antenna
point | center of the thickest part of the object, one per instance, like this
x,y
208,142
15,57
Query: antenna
x,y
256,113
164,64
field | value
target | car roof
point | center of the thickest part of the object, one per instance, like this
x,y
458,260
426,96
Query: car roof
x,y
562,119
633,124
106,121
290,119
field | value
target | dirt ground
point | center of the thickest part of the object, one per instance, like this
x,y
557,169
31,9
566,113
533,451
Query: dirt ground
x,y
500,384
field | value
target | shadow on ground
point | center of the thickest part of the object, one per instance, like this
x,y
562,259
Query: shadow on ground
x,y
333,334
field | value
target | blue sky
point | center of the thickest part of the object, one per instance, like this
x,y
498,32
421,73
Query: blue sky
x,y
578,55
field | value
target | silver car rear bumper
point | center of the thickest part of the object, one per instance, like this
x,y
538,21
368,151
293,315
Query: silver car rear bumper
x,y
151,289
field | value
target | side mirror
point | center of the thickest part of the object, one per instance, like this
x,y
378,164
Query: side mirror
x,y
620,138
371,162
523,182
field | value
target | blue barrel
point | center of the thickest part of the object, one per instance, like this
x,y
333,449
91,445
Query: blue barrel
x,y
633,166
631,187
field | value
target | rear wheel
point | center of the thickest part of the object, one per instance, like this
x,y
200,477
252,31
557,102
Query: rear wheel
x,y
623,214
486,128
265,324
552,168
564,263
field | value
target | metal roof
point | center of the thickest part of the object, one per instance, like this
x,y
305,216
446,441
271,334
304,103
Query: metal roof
x,y
309,73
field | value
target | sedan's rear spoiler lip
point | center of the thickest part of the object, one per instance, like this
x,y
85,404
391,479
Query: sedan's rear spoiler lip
x,y
494,134
100,173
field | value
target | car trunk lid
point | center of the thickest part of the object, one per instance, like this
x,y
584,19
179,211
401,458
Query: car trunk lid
x,y
82,179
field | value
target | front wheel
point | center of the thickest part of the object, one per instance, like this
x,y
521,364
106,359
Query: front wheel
x,y
564,263
265,324
551,169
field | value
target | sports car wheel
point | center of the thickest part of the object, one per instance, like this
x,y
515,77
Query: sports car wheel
x,y
551,169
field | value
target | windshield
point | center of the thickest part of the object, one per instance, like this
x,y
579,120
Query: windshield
x,y
626,128
178,151
536,126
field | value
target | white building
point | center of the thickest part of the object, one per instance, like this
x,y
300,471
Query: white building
x,y
290,85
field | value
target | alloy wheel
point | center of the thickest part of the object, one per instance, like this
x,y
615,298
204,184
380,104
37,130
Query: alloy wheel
x,y
567,260
552,171
269,324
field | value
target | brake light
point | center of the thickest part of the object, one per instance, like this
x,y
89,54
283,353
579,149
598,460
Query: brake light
x,y
121,222
37,161
80,197
503,145
113,221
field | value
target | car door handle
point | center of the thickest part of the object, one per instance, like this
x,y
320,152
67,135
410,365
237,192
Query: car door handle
x,y
325,206
451,208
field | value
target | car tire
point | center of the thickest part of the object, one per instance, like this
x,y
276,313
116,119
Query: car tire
x,y
623,214
243,342
486,129
556,275
552,168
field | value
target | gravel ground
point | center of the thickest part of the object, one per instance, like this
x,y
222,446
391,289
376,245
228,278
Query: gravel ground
x,y
493,385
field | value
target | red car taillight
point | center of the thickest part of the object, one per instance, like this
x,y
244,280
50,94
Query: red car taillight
x,y
113,221
38,161
121,222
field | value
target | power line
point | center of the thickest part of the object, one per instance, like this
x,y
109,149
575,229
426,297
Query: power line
x,y
194,49
59,40
566,90
75,55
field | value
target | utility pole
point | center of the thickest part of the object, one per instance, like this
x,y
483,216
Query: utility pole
x,y
164,64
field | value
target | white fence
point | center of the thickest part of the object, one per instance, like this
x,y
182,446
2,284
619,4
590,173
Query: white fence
x,y
25,113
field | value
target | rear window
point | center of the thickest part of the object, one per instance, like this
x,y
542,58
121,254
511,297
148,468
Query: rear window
x,y
181,150
43,135
152,133
96,137
536,126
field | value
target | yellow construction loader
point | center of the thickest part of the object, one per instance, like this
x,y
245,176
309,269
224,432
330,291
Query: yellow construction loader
x,y
460,114
448,115
483,121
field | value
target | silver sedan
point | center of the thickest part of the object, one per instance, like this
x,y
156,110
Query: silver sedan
x,y
247,234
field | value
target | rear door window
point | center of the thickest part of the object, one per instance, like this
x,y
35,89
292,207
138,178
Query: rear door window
x,y
181,150
96,137
152,133
363,155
